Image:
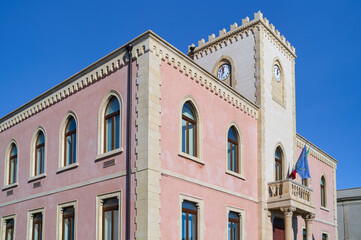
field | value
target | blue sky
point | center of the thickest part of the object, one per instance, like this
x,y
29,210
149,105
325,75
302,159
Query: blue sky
x,y
44,42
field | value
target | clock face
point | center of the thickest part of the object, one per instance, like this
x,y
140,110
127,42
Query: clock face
x,y
224,71
277,72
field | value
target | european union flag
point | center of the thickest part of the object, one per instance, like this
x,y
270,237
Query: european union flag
x,y
302,165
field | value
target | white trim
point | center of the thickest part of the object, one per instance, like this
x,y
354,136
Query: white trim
x,y
200,214
99,212
66,188
32,152
165,172
40,176
325,222
101,113
64,122
59,222
31,213
10,186
235,174
7,185
242,221
109,154
3,225
199,133
67,167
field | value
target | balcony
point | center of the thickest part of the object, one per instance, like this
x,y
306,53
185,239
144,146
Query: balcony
x,y
288,193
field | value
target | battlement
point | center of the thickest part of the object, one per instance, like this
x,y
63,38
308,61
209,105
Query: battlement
x,y
235,29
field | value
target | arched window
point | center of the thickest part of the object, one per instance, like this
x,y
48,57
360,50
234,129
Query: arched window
x,y
13,163
111,125
70,142
278,164
39,154
189,129
232,150
323,191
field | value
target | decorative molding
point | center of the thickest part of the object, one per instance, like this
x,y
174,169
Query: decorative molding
x,y
85,78
189,68
239,32
316,152
168,173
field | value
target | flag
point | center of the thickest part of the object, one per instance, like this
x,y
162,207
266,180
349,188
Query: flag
x,y
302,165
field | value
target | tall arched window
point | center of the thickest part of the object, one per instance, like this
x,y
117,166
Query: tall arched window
x,y
70,142
111,125
232,150
39,154
13,163
323,191
278,164
189,129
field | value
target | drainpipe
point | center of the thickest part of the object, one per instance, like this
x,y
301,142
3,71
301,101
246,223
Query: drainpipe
x,y
128,147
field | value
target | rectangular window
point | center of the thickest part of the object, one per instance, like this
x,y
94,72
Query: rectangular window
x,y
324,236
9,229
68,223
189,221
110,219
66,229
35,224
233,226
304,234
108,216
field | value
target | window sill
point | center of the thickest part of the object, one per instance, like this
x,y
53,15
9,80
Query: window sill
x,y
190,157
235,174
68,167
33,178
325,209
108,154
10,186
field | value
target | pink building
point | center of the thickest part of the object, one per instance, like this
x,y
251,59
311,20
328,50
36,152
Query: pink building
x,y
197,147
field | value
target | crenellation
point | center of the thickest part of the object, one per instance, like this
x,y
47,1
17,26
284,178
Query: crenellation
x,y
233,26
222,32
247,28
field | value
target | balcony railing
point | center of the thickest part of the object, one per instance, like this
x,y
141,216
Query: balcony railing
x,y
289,192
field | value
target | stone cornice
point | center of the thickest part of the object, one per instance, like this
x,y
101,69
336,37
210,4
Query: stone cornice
x,y
236,32
316,152
116,60
86,77
188,67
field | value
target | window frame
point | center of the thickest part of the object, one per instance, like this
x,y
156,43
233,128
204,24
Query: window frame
x,y
12,175
323,233
101,153
240,152
194,123
7,168
60,219
4,226
280,162
323,191
198,132
33,155
242,215
106,118
200,214
100,210
62,143
73,135
30,227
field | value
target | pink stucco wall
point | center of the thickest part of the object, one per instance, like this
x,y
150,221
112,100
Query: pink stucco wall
x,y
324,218
217,115
85,104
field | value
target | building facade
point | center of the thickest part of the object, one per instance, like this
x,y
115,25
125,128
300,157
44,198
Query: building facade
x,y
348,212
196,147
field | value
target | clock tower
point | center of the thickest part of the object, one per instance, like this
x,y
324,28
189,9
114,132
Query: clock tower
x,y
257,61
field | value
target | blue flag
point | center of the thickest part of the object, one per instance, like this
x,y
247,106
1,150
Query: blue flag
x,y
302,165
